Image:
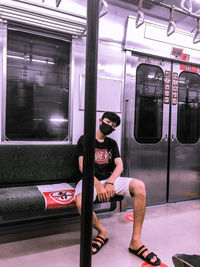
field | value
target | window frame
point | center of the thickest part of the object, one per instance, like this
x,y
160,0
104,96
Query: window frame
x,y
3,97
178,110
135,120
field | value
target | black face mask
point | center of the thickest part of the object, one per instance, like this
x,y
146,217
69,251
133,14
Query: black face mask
x,y
106,129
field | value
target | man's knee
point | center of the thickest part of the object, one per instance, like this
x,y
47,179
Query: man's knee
x,y
137,188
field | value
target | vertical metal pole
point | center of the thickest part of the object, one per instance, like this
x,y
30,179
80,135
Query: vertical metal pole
x,y
89,131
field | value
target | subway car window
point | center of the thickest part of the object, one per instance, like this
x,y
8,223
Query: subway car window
x,y
37,96
188,107
149,104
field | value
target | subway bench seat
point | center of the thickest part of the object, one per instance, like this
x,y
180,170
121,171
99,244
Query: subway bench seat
x,y
23,168
38,180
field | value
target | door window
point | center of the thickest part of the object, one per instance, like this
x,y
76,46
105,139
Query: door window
x,y
188,107
149,104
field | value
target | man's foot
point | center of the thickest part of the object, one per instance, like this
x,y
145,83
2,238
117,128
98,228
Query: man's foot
x,y
142,252
98,243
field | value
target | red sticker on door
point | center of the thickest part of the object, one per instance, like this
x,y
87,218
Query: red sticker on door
x,y
129,217
145,264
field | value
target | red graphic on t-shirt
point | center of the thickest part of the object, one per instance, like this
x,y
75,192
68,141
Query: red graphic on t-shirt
x,y
102,156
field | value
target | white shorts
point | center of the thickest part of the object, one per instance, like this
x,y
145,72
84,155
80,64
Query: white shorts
x,y
121,187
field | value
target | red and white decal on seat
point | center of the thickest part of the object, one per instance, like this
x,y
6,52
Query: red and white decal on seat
x,y
57,195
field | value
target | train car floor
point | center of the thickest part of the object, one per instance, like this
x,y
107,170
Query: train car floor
x,y
168,229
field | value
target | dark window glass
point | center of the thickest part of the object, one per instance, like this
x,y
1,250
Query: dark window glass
x,y
188,107
149,104
37,88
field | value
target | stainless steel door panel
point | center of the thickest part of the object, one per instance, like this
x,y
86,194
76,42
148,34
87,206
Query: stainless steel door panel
x,y
184,182
147,162
184,172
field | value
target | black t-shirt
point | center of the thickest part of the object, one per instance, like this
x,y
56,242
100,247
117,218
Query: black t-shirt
x,y
105,153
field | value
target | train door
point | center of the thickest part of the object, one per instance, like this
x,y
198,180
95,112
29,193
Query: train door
x,y
184,172
161,131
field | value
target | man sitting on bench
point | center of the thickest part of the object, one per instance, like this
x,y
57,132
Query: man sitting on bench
x,y
107,183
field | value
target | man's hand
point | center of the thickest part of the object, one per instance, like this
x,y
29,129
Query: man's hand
x,y
102,193
110,190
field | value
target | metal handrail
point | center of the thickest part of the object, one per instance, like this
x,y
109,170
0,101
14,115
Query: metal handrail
x,y
103,5
58,3
196,38
140,15
171,26
187,5
177,9
89,132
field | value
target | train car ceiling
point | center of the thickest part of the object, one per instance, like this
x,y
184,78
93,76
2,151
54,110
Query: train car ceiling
x,y
146,4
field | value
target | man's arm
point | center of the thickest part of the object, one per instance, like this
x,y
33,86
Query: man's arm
x,y
116,173
101,191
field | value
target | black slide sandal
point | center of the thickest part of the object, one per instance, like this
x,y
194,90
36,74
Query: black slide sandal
x,y
101,240
148,258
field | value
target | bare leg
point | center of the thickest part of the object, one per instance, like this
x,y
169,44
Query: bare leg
x,y
137,188
96,223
